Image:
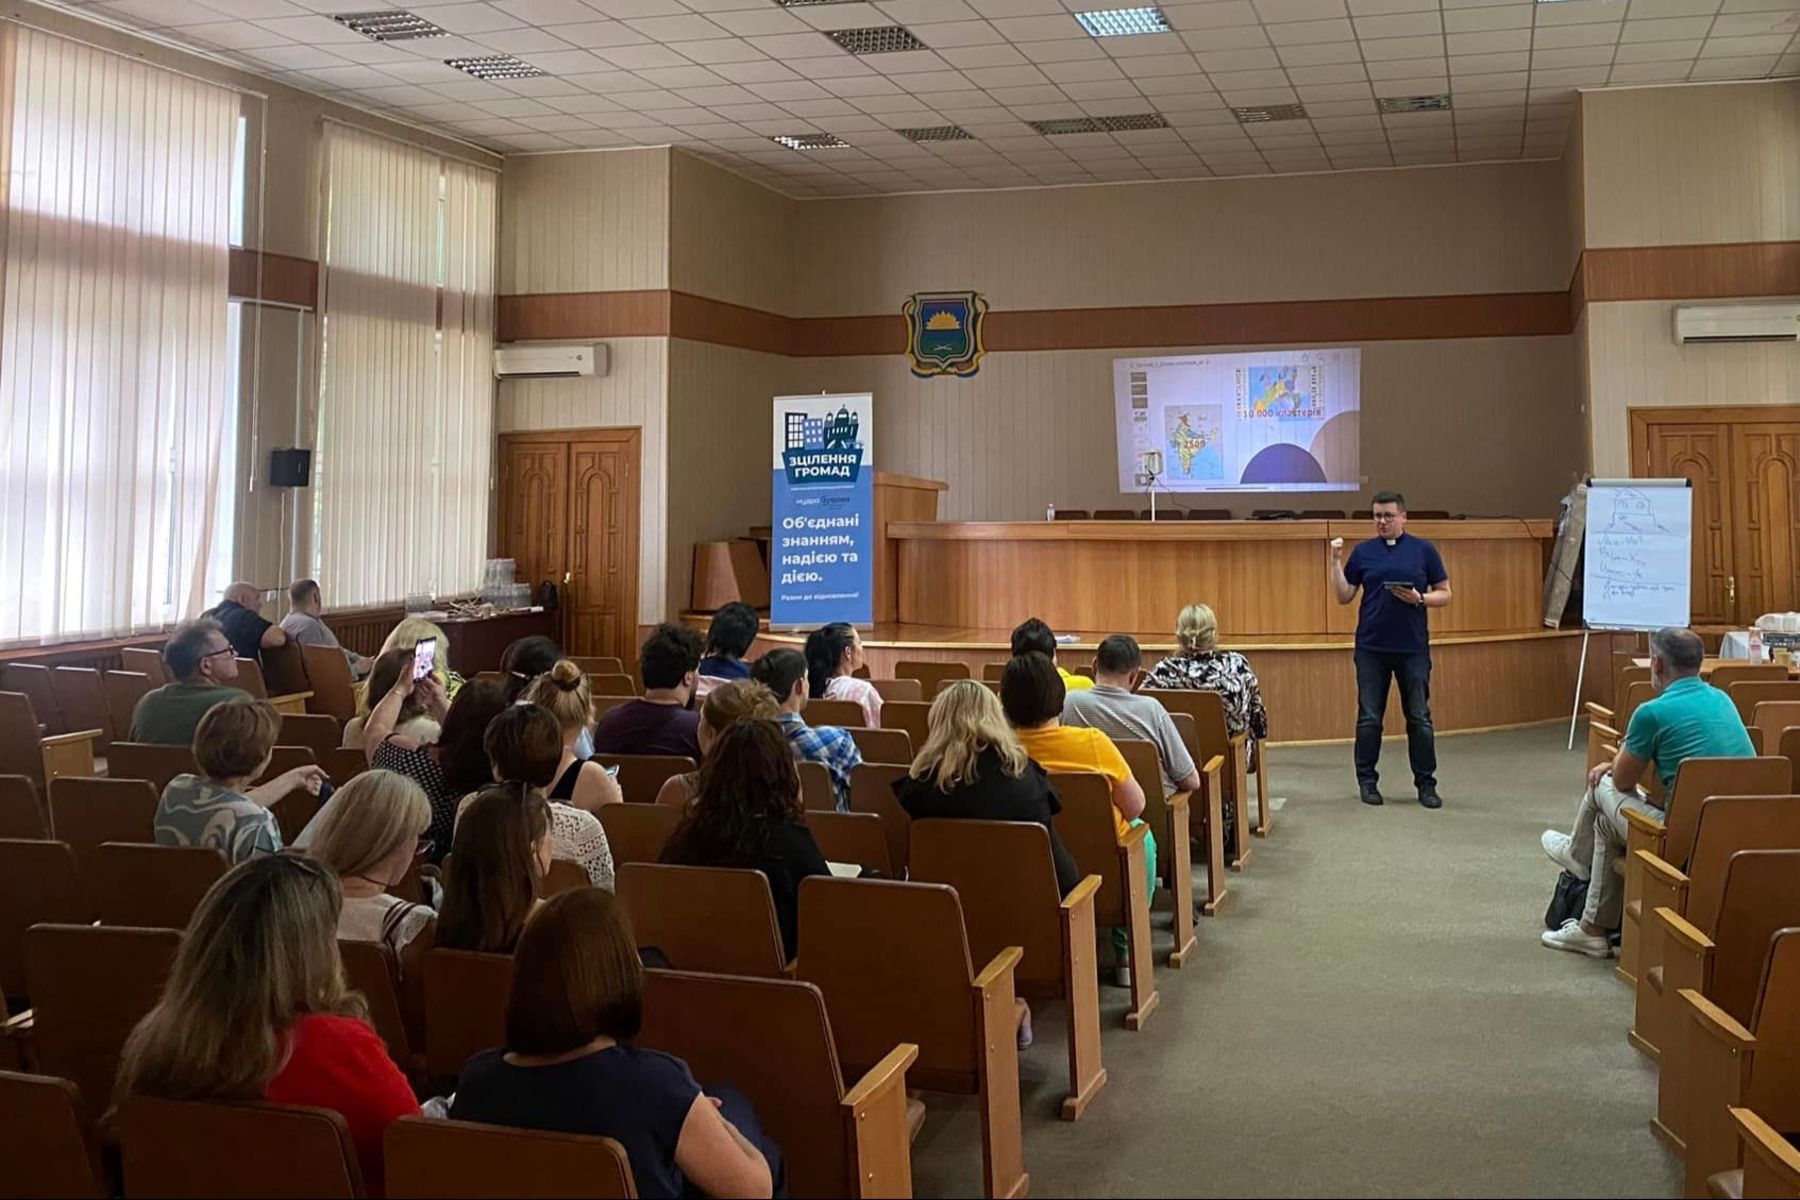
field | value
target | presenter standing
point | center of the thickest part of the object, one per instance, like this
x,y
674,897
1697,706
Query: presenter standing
x,y
1400,576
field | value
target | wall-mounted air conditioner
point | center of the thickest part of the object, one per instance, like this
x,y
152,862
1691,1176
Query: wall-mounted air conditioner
x,y
540,360
1738,323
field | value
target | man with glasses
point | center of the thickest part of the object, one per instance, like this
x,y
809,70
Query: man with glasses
x,y
203,664
1400,576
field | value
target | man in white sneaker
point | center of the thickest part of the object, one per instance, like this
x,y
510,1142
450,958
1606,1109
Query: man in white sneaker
x,y
1688,718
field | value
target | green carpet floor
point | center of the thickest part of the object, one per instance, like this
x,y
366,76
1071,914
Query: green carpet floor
x,y
1372,1015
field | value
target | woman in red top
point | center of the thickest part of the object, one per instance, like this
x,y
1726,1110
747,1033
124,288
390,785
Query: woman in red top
x,y
256,1008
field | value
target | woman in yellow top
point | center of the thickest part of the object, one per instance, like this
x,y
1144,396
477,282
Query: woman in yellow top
x,y
1032,693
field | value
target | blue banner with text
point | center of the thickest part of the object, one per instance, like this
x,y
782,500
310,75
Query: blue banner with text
x,y
822,528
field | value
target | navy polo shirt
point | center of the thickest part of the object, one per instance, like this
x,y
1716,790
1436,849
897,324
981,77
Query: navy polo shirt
x,y
1384,622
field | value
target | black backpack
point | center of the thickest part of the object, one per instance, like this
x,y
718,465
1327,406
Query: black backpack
x,y
1567,901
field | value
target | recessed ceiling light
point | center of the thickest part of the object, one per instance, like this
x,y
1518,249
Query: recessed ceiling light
x,y
1123,22
1129,121
1408,104
494,66
1062,125
389,25
1270,112
936,133
882,39
810,141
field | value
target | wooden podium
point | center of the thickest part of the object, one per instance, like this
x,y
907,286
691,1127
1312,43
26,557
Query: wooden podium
x,y
898,498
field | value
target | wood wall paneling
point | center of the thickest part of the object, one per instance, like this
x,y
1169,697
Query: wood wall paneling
x,y
284,278
545,316
1693,273
1765,468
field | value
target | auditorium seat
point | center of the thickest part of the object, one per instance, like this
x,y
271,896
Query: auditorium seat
x,y
1746,694
1321,514
930,676
461,1160
39,885
835,1141
328,678
872,791
841,713
605,704
1209,514
341,765
1716,948
86,812
1428,514
641,776
992,672
892,960
26,750
250,678
372,969
22,814
1789,748
1722,825
1169,823
33,681
1206,813
148,886
715,919
466,995
148,761
1005,881
1734,1064
881,745
1114,514
1072,514
1772,717
1208,711
599,666
619,684
82,698
144,661
1123,901
816,790
213,1150
564,875
284,669
1724,674
898,689
123,690
637,832
852,837
318,732
45,1146
914,716
1771,1162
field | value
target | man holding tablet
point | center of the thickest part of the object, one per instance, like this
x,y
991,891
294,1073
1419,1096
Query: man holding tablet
x,y
1400,576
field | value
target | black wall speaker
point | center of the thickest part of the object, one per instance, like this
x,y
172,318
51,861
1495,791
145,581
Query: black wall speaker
x,y
290,468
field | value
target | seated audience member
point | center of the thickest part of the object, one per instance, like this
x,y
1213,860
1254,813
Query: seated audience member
x,y
1111,707
749,814
497,867
659,721
239,614
1200,665
203,665
448,769
972,766
370,834
305,626
1033,636
413,630
1032,693
218,807
726,705
523,746
1687,718
568,1065
564,692
833,655
415,722
526,658
783,672
256,1008
728,639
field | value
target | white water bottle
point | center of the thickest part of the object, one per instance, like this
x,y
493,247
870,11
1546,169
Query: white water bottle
x,y
1049,512
1756,644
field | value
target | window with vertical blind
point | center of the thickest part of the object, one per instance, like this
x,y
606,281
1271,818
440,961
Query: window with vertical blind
x,y
405,413
117,397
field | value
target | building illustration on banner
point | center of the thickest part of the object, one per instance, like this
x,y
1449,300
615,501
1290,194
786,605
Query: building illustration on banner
x,y
822,449
943,333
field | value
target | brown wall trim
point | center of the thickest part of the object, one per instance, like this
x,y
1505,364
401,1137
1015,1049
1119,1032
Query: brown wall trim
x,y
1711,272
285,279
543,315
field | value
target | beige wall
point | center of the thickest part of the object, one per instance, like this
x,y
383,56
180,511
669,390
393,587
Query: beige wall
x,y
594,222
735,240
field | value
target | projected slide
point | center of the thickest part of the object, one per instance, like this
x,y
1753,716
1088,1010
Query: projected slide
x,y
1267,421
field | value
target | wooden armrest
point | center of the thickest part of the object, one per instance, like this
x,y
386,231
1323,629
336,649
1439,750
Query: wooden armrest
x,y
1134,837
1685,935
70,739
878,1125
1001,967
1642,823
888,1075
1178,806
1661,871
1607,734
1082,893
1596,709
22,1025
291,698
1214,765
1717,1023
1775,1147
1238,739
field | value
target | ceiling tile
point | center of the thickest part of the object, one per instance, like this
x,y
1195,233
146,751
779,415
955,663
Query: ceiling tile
x,y
1501,81
1667,29
524,41
1301,33
1313,93
1085,71
1572,56
1468,101
1487,64
466,18
1650,72
953,33
906,62
1105,89
1274,11
545,12
1192,17
1481,20
1335,73
1741,47
1372,8
1214,61
621,9
785,46
234,35
1649,9
1405,47
1038,28
1319,54
998,55
1561,37
1358,106
1734,68
1398,25
1239,80
1227,37
925,12
1405,68
1750,24
1568,76
1498,40
760,22
1063,50
1643,52
294,58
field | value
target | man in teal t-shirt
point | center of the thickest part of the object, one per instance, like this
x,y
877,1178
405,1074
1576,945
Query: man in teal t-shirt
x,y
1688,718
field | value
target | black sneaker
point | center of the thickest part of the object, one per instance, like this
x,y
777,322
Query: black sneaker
x,y
1428,798
1371,794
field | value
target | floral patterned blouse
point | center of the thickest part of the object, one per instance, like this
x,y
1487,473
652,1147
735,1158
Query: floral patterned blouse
x,y
1224,671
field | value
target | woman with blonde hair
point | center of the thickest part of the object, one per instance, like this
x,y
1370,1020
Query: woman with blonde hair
x,y
565,693
1200,665
415,721
413,630
972,766
256,1008
371,833
725,706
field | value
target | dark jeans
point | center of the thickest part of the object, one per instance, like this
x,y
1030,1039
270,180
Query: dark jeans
x,y
1374,668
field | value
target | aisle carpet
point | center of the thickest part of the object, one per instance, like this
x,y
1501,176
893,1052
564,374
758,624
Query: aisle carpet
x,y
1372,1015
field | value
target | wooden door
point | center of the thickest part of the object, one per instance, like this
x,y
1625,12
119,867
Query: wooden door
x,y
1765,479
1701,454
600,604
534,508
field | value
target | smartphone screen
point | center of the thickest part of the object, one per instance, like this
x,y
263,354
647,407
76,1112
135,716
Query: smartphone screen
x,y
424,657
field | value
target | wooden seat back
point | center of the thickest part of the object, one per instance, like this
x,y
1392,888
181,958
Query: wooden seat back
x,y
930,674
599,665
21,738
1146,767
1005,881
1725,674
851,837
1698,778
461,1160
1758,899
1771,1162
1115,514
817,792
1072,514
992,672
82,698
715,919
782,1057
1788,747
898,689
1727,825
90,985
328,678
1748,693
914,716
1627,674
371,968
611,684
284,758
872,791
40,884
564,875
250,678
33,681
318,732
1087,829
42,1142
212,1150
1208,712
466,994
22,814
284,669
342,764
892,746
149,886
841,713
641,776
86,812
151,762
144,661
1636,692
123,691
1774,1085
636,833
1773,717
